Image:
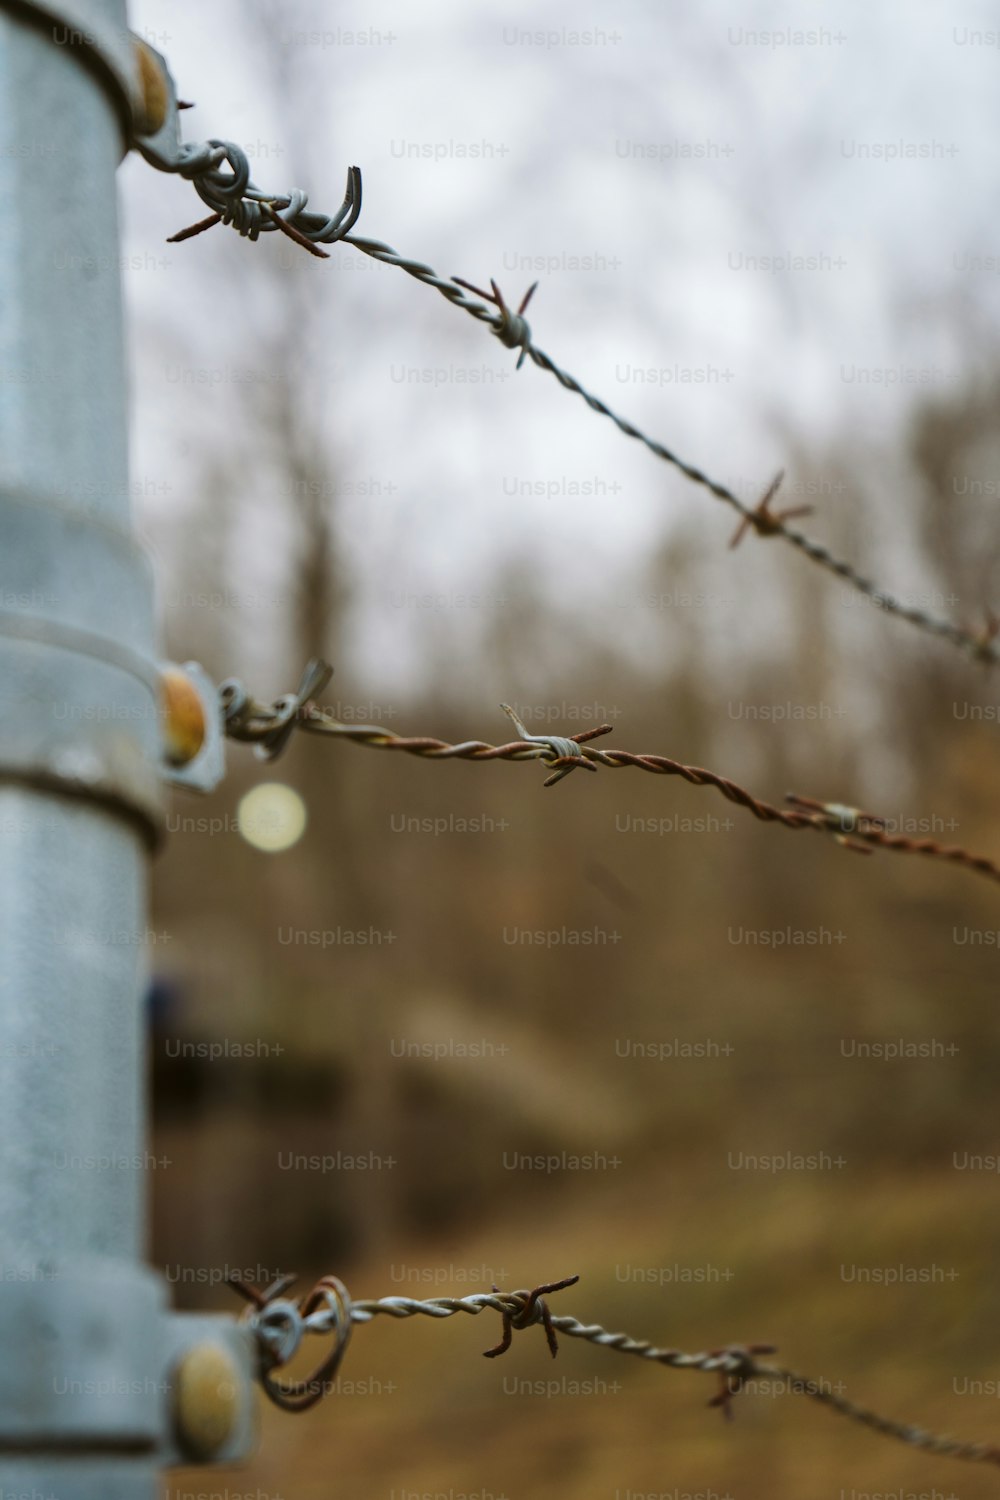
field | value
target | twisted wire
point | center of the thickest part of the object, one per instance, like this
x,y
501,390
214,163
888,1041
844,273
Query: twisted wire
x,y
980,647
236,201
941,1444
239,203
732,1360
329,1310
270,727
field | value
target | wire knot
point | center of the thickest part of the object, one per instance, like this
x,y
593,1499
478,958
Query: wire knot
x,y
529,1307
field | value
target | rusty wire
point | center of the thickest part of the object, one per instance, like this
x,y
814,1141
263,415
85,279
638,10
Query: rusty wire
x,y
249,210
280,1323
269,728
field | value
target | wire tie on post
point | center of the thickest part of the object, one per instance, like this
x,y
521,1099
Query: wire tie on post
x,y
236,704
275,1320
289,709
279,1324
237,201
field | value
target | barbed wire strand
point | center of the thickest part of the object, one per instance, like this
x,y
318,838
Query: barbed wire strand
x,y
270,727
250,211
280,1324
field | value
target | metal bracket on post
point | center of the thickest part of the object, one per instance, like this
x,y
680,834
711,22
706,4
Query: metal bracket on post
x,y
157,129
212,1396
125,1372
193,735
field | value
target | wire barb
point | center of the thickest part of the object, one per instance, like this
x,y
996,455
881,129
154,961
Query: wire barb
x,y
566,753
271,209
862,832
534,1308
512,329
763,520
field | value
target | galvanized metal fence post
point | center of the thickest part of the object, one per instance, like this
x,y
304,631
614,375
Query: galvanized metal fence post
x,y
88,1352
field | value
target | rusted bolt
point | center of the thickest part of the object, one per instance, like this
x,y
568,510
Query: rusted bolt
x,y
154,88
184,717
207,1400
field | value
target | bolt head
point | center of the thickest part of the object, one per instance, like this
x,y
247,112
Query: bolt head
x,y
207,1393
184,717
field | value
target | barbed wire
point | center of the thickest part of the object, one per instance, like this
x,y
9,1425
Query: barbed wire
x,y
269,728
280,1324
236,201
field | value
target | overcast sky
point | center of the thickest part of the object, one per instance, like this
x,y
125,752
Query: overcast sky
x,y
748,221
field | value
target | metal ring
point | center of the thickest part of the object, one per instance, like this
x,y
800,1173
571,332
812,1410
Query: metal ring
x,y
300,1395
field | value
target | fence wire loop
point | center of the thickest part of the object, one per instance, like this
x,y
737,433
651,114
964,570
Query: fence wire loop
x,y
237,706
511,328
220,172
279,1324
279,1329
270,728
